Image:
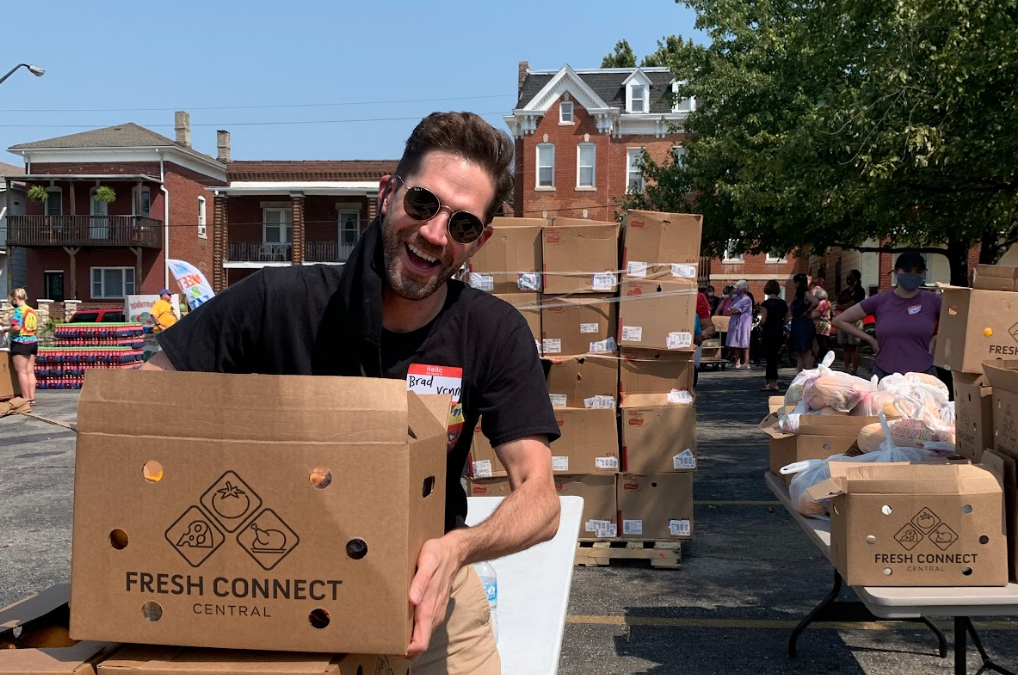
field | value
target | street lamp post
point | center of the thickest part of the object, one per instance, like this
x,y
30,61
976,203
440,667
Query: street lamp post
x,y
35,70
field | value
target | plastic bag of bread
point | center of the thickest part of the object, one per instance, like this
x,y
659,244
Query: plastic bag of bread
x,y
929,391
916,428
789,422
839,391
947,414
876,402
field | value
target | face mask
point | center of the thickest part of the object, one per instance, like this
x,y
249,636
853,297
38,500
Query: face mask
x,y
710,294
850,281
910,281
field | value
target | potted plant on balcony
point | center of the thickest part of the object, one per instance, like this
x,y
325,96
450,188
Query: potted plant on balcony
x,y
105,194
37,193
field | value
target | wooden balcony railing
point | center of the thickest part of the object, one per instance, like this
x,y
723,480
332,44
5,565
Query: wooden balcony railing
x,y
43,231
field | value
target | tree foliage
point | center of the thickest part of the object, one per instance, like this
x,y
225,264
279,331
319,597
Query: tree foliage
x,y
622,57
828,122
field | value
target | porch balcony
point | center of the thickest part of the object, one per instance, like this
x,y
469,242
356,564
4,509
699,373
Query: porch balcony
x,y
108,231
327,251
258,251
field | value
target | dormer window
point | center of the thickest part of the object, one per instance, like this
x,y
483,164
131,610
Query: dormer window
x,y
638,98
681,105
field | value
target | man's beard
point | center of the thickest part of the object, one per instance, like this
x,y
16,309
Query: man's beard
x,y
394,245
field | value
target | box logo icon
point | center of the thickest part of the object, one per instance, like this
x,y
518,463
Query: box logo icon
x,y
909,537
926,521
943,537
194,536
268,539
231,501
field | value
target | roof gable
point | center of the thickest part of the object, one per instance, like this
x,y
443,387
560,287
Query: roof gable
x,y
565,80
128,135
608,84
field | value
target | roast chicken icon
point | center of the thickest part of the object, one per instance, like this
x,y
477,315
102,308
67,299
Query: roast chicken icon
x,y
267,540
198,535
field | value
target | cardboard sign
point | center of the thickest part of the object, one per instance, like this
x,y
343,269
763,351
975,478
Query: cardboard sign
x,y
197,290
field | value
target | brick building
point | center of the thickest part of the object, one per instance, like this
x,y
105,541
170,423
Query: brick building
x,y
579,136
81,247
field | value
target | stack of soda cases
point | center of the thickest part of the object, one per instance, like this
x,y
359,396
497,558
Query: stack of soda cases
x,y
83,346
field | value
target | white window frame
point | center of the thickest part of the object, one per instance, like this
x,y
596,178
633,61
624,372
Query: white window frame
x,y
631,100
681,105
632,155
286,224
136,194
53,189
678,153
203,232
580,185
772,259
563,118
537,177
97,208
346,211
104,295
730,256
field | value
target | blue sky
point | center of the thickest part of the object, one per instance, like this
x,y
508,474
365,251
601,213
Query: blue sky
x,y
387,63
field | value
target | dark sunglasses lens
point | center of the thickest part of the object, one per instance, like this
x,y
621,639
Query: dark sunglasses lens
x,y
465,228
420,204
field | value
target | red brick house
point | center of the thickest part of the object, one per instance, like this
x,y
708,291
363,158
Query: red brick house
x,y
282,213
82,248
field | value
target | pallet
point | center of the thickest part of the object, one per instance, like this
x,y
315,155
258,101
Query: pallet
x,y
597,553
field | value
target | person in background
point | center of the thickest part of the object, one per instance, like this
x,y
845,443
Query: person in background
x,y
701,331
703,309
822,322
906,318
713,299
703,314
803,330
162,312
726,302
847,299
741,311
773,314
24,343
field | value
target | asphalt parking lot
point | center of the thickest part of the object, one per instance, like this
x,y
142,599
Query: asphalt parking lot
x,y
746,579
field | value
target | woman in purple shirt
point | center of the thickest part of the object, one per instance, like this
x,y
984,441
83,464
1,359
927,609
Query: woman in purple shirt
x,y
906,317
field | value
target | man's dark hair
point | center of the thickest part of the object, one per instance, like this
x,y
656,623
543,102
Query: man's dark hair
x,y
469,136
855,274
772,288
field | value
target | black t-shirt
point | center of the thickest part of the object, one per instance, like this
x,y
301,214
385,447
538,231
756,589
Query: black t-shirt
x,y
851,294
276,321
776,311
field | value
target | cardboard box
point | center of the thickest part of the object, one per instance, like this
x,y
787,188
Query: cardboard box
x,y
289,521
721,323
589,441
9,385
1003,376
657,436
655,372
775,403
976,326
819,437
916,524
995,278
600,508
657,315
34,638
578,325
581,256
973,408
1004,468
586,381
661,245
655,506
510,261
489,487
529,306
482,461
151,660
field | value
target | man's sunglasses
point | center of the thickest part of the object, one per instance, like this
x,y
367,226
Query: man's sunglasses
x,y
422,204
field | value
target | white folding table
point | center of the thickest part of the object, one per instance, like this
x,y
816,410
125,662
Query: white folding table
x,y
905,603
533,592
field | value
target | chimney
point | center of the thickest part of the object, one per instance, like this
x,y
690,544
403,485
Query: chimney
x,y
182,124
524,67
223,146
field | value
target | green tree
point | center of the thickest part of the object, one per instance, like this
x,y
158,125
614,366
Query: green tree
x,y
622,57
824,124
665,49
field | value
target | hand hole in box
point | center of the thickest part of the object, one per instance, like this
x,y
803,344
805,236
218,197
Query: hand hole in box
x,y
967,509
356,548
827,447
319,618
984,539
888,571
886,510
967,571
320,477
152,611
428,487
152,471
118,539
871,539
653,484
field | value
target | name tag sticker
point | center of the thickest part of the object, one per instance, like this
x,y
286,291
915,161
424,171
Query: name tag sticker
x,y
425,379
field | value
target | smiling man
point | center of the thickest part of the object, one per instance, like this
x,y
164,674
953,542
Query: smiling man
x,y
393,311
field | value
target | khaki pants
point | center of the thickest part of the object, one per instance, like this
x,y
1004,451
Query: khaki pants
x,y
465,643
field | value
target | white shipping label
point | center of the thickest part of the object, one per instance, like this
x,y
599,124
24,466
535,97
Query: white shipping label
x,y
632,333
599,402
684,460
588,327
632,527
602,346
678,528
537,343
680,396
606,462
482,468
679,340
636,269
608,530
529,281
552,346
560,464
604,281
595,525
558,400
482,282
684,271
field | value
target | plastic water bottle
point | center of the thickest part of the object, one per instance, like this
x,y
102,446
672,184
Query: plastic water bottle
x,y
490,582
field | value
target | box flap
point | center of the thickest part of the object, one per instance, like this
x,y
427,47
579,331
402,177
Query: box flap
x,y
923,479
54,661
769,425
995,278
588,229
1001,465
503,221
428,413
1002,374
245,407
833,425
775,403
832,487
156,660
648,401
34,606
